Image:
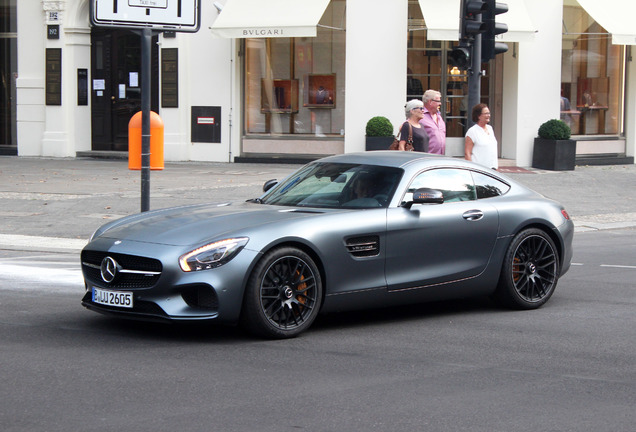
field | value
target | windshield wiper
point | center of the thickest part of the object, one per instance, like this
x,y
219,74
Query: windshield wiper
x,y
255,200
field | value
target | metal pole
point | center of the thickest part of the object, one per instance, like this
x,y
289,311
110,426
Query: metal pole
x,y
146,40
474,76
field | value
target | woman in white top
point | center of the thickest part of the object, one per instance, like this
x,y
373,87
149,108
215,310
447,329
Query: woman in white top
x,y
481,145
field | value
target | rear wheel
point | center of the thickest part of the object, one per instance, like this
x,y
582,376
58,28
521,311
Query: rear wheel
x,y
283,294
529,273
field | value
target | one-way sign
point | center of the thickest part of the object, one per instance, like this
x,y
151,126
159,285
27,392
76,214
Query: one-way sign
x,y
174,15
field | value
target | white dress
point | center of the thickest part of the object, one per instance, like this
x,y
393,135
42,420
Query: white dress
x,y
484,146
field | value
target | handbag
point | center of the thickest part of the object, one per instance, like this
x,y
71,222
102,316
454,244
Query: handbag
x,y
408,145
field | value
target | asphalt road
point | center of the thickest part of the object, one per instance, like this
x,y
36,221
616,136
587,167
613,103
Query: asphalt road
x,y
452,366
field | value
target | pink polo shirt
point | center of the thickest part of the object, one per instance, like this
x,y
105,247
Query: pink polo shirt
x,y
436,132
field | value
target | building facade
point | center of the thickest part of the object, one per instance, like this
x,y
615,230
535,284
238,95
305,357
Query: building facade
x,y
261,80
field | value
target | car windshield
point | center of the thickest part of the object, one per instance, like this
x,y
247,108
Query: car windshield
x,y
336,185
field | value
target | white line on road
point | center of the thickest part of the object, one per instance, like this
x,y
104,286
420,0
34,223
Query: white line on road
x,y
57,280
618,266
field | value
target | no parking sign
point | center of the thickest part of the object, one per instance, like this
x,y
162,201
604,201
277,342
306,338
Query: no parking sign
x,y
174,15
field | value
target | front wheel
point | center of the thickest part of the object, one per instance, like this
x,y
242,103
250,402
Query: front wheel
x,y
283,294
529,273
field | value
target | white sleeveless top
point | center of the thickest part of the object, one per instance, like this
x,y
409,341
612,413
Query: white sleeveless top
x,y
484,146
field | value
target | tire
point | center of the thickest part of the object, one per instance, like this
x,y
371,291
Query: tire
x,y
283,294
529,273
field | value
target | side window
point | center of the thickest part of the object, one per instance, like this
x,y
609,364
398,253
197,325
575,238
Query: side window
x,y
488,187
455,184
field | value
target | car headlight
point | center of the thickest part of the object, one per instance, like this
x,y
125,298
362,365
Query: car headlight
x,y
212,255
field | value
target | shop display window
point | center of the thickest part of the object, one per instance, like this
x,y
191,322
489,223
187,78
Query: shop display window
x,y
592,76
290,81
428,68
320,91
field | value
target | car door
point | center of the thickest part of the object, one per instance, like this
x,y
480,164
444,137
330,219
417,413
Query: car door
x,y
432,244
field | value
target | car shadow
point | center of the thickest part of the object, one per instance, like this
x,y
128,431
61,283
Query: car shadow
x,y
190,332
411,312
206,332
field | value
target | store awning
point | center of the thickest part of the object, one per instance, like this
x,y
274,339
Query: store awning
x,y
615,16
442,20
268,19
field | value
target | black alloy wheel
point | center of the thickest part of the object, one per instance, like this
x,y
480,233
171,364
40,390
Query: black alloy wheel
x,y
283,294
529,273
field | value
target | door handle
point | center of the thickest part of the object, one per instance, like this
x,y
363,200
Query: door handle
x,y
473,215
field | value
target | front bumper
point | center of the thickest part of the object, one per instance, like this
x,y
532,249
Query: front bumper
x,y
168,294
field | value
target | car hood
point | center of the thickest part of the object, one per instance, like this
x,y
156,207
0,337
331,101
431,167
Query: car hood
x,y
190,225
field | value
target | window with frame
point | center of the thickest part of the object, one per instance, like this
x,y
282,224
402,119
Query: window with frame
x,y
455,184
428,68
592,75
487,186
295,86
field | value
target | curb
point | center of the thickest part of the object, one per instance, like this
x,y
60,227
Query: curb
x,y
43,244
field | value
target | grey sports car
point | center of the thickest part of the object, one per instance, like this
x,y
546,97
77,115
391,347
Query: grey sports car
x,y
358,230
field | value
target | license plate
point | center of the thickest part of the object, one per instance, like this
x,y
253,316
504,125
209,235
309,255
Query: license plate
x,y
122,299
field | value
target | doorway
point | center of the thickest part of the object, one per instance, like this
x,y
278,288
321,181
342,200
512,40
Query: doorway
x,y
8,75
116,85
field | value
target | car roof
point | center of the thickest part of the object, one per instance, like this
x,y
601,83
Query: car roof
x,y
397,159
412,160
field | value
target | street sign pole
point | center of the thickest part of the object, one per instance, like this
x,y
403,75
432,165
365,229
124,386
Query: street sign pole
x,y
147,15
146,40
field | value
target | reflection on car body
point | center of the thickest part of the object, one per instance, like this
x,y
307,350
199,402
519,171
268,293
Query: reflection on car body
x,y
345,232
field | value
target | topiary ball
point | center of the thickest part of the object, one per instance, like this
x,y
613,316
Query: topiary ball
x,y
555,129
379,126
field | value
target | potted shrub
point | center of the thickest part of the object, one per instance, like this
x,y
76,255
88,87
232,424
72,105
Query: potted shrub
x,y
553,149
379,133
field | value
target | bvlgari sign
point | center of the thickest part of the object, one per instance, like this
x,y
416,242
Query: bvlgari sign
x,y
173,15
266,32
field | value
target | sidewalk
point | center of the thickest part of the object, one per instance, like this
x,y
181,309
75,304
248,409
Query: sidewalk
x,y
56,204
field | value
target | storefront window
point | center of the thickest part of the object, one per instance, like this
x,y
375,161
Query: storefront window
x,y
295,86
428,68
592,76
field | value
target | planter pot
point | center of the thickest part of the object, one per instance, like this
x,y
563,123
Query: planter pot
x,y
554,155
378,143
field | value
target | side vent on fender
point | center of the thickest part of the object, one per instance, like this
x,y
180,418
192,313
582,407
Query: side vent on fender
x,y
361,247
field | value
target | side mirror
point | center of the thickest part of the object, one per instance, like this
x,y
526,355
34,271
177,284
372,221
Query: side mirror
x,y
269,184
426,196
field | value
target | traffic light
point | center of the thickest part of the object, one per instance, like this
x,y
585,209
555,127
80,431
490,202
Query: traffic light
x,y
490,48
460,57
469,24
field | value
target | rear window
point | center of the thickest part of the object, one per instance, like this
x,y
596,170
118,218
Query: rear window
x,y
488,187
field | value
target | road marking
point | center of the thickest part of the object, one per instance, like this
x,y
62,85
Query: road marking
x,y
57,280
607,265
618,266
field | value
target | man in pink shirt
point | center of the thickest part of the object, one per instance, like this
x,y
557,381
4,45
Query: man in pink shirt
x,y
433,122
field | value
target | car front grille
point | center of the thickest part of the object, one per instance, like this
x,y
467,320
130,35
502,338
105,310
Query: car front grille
x,y
134,271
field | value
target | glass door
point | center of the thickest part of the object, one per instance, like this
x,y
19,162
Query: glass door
x,y
8,75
